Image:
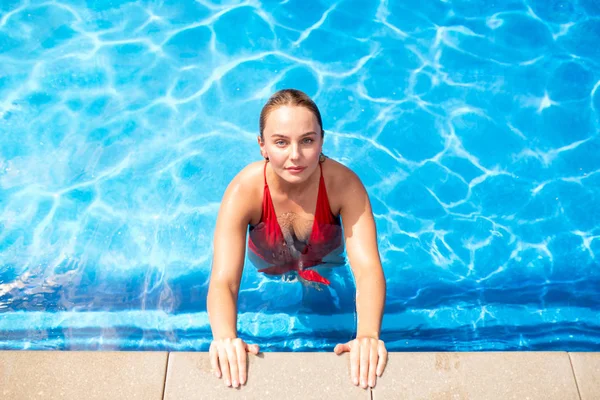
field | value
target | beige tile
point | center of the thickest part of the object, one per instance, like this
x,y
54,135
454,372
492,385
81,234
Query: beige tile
x,y
82,375
485,376
586,367
280,376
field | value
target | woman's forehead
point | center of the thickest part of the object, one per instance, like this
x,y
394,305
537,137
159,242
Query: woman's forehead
x,y
291,122
291,116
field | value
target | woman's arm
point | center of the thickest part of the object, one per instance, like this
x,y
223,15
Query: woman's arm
x,y
367,352
227,352
229,247
361,247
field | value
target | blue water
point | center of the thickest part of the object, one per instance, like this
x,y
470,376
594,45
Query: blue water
x,y
474,126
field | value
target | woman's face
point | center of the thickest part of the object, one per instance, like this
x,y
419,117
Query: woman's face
x,y
293,143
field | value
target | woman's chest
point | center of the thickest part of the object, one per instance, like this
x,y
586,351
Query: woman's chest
x,y
295,227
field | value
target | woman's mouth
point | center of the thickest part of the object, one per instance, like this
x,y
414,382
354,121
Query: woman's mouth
x,y
295,170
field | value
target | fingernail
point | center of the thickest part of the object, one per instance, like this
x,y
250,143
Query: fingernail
x,y
363,383
355,381
234,383
371,383
227,382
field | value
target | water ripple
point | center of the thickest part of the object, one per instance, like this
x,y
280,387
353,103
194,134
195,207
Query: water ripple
x,y
474,126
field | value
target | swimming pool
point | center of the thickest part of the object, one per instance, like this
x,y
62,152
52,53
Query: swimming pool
x,y
474,126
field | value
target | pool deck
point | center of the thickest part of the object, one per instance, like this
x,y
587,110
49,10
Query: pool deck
x,y
181,375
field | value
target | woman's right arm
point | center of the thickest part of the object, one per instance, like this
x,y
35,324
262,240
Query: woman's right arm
x,y
227,352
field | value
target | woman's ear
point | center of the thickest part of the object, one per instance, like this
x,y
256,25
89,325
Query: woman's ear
x,y
261,143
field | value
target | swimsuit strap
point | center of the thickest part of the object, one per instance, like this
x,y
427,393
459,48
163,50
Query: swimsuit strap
x,y
322,209
265,174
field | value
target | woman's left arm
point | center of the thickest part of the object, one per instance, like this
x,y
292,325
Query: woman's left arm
x,y
368,354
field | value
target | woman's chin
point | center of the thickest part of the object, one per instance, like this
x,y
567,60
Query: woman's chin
x,y
294,178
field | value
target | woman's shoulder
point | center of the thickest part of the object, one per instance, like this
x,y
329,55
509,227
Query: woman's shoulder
x,y
245,189
252,174
248,182
337,175
338,180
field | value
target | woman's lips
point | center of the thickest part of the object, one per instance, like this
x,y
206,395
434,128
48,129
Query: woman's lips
x,y
296,170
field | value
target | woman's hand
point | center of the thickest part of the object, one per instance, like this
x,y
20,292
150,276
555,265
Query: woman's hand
x,y
368,357
228,359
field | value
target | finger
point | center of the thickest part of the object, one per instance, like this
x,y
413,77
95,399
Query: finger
x,y
241,360
214,360
233,365
364,362
373,355
224,363
252,348
354,361
383,357
341,348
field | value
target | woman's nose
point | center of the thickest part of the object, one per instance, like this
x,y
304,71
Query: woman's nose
x,y
295,152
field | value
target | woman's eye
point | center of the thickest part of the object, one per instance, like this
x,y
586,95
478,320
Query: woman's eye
x,y
308,140
280,143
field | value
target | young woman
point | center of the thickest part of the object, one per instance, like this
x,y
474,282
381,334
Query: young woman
x,y
293,206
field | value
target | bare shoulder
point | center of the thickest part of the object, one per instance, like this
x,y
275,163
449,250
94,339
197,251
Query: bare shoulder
x,y
244,192
341,182
251,176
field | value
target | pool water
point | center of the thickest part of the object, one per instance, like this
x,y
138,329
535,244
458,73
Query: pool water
x,y
474,126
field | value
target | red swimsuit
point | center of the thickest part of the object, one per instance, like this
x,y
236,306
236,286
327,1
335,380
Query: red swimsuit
x,y
267,244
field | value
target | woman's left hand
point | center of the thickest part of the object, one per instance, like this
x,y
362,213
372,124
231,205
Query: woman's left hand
x,y
368,357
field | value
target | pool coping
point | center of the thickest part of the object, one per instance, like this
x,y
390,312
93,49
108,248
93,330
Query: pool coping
x,y
409,375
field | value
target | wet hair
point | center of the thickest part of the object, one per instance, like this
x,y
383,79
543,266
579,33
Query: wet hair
x,y
288,97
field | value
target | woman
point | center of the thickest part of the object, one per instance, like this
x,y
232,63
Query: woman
x,y
275,201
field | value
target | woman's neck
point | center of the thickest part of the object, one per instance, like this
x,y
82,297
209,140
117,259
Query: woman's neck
x,y
291,190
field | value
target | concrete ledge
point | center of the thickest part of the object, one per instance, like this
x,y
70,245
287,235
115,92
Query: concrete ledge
x,y
289,376
586,367
486,376
82,375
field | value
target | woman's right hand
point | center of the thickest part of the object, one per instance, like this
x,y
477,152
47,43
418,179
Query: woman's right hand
x,y
228,359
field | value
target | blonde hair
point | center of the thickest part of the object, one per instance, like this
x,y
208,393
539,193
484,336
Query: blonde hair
x,y
288,97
